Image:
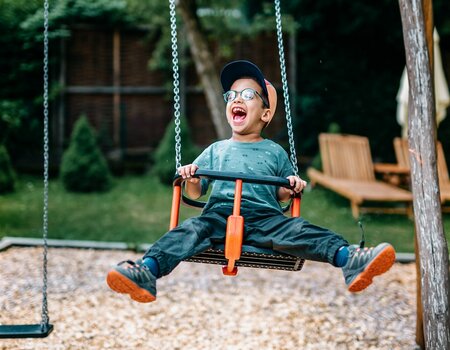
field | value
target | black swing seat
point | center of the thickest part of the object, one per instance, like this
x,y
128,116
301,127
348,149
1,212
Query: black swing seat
x,y
251,256
25,331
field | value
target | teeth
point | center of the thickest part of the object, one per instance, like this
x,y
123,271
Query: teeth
x,y
238,109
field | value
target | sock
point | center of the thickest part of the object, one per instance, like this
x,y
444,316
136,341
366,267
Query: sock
x,y
152,265
341,257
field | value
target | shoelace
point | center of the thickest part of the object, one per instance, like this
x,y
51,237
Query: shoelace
x,y
129,262
363,238
137,270
133,266
358,252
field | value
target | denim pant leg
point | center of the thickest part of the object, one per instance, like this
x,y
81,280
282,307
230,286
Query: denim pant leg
x,y
191,237
294,236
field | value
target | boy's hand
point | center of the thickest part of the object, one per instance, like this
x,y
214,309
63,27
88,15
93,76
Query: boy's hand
x,y
187,171
297,183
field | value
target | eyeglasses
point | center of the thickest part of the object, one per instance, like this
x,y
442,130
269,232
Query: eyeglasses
x,y
246,94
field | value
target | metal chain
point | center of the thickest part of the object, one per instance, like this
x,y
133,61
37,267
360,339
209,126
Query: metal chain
x,y
176,83
287,106
45,317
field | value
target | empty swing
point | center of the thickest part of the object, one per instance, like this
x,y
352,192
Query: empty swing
x,y
233,253
43,329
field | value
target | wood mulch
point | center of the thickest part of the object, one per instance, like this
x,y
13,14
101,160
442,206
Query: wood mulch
x,y
198,308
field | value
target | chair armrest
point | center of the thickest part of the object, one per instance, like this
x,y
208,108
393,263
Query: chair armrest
x,y
390,168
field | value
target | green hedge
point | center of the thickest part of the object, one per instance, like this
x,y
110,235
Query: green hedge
x,y
83,167
164,157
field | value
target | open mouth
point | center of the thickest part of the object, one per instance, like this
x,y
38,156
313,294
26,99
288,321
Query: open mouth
x,y
238,114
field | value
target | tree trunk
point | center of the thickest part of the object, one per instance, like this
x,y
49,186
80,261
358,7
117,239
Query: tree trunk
x,y
204,65
434,262
420,337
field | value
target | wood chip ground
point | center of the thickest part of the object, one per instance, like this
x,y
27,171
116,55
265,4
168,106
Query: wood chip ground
x,y
199,308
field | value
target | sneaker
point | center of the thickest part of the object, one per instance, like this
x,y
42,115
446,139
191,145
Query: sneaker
x,y
133,278
366,263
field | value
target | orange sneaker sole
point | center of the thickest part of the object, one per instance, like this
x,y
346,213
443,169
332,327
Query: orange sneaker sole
x,y
120,284
381,264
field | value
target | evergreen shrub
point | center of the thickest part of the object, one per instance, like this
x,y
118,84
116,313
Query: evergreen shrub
x,y
7,175
83,166
164,157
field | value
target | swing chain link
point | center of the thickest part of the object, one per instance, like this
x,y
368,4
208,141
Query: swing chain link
x,y
287,106
45,317
176,83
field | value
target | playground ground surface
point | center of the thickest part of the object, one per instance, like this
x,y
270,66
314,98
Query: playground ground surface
x,y
199,308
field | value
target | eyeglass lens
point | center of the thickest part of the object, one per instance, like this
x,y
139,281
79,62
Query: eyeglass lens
x,y
246,94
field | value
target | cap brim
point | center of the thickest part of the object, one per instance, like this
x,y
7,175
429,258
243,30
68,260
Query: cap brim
x,y
239,69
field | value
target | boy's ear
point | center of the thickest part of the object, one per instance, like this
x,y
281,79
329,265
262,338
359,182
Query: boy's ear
x,y
267,115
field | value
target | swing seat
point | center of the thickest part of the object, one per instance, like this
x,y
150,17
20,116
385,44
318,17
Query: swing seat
x,y
25,331
232,254
251,257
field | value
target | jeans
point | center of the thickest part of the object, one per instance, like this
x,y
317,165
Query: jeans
x,y
270,230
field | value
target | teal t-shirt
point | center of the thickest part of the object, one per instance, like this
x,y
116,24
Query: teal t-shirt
x,y
257,158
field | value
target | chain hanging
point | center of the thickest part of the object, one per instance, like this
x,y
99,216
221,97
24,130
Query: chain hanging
x,y
176,83
287,106
45,317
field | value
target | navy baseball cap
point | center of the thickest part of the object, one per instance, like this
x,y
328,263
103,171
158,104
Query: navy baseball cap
x,y
239,69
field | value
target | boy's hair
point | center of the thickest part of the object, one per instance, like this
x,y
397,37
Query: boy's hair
x,y
245,69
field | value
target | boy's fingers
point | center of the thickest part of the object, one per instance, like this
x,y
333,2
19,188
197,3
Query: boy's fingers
x,y
184,172
187,170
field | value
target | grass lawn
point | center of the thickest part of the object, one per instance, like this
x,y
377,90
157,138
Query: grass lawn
x,y
137,210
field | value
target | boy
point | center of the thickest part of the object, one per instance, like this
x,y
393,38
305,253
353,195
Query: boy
x,y
251,103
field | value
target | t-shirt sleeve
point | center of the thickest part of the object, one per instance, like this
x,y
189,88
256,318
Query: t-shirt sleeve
x,y
205,161
285,168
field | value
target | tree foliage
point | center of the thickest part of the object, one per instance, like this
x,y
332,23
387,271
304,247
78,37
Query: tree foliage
x,y
349,58
21,55
83,167
164,157
350,61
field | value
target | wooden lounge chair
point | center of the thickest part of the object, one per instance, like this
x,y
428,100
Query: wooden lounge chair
x,y
402,154
349,171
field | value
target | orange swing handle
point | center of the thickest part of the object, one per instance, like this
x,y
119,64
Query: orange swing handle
x,y
295,206
234,233
175,209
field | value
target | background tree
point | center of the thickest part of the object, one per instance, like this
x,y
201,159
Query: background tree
x,y
164,157
431,241
21,25
83,167
200,24
21,80
349,57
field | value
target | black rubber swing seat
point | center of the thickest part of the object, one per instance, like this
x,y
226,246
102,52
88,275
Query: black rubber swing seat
x,y
25,331
251,256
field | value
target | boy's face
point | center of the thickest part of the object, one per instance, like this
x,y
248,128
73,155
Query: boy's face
x,y
247,117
